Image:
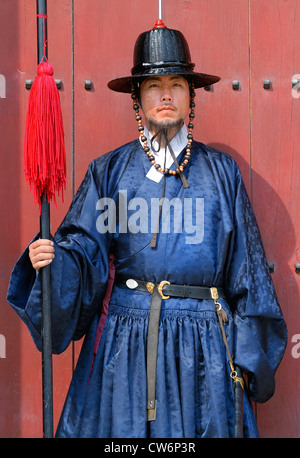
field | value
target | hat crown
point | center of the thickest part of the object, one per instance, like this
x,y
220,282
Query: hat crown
x,y
159,50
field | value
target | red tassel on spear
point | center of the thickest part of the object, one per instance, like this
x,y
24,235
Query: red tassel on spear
x,y
44,151
45,170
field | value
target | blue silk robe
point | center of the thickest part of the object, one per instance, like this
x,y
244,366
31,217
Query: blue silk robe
x,y
107,396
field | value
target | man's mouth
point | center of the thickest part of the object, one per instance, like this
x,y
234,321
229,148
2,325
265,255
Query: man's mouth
x,y
166,108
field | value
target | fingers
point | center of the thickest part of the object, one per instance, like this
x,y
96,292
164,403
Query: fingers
x,y
41,253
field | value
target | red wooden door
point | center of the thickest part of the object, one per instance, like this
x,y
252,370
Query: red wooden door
x,y
248,41
275,163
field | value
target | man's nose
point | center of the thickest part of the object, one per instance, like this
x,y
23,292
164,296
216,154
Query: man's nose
x,y
166,95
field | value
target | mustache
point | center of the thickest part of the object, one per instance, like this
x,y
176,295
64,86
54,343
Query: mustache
x,y
168,105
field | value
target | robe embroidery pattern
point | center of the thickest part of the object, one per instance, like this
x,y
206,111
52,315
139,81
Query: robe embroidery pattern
x,y
193,386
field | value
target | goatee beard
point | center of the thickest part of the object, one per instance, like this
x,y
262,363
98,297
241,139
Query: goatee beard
x,y
169,126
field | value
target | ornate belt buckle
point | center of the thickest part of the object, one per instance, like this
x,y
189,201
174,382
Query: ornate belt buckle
x,y
150,287
160,287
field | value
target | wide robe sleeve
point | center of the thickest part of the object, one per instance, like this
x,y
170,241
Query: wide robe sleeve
x,y
79,271
260,330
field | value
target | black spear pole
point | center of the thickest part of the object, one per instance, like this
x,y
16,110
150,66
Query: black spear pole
x,y
45,271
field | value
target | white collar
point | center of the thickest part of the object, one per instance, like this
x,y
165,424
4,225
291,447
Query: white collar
x,y
178,143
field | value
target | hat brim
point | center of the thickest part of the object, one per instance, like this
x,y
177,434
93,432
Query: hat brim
x,y
125,84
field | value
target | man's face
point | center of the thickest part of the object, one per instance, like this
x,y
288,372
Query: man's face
x,y
165,101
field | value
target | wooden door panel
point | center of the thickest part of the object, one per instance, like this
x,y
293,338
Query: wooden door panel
x,y
275,34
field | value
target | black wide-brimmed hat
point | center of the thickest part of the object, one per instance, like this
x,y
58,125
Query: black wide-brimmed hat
x,y
161,51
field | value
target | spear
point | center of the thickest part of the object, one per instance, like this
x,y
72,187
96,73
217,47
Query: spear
x,y
45,167
160,9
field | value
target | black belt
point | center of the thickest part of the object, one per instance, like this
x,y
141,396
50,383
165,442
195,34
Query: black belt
x,y
160,291
166,289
